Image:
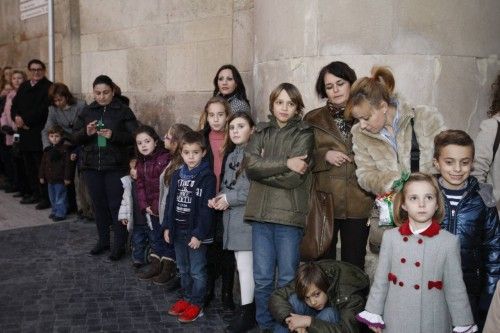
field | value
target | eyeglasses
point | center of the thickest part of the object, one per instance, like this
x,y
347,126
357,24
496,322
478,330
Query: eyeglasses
x,y
34,70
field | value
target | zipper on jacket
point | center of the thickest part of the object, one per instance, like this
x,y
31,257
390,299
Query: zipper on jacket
x,y
99,148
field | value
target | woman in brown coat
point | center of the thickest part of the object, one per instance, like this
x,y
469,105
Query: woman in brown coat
x,y
334,171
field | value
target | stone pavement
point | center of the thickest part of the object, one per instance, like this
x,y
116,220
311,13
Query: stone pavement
x,y
48,283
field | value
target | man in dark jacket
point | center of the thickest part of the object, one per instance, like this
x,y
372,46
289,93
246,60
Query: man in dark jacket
x,y
29,111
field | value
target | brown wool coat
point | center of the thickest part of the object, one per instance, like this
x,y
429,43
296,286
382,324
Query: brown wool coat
x,y
350,200
379,165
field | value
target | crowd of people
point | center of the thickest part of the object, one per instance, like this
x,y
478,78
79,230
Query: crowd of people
x,y
235,195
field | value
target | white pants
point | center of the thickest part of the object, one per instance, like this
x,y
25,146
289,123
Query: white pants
x,y
244,262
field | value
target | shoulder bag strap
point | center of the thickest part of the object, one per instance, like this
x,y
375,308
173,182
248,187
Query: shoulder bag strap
x,y
415,150
497,142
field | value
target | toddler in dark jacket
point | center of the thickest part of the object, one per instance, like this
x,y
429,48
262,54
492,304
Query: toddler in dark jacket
x,y
471,214
56,170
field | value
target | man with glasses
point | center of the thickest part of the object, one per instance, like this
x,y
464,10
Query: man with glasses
x,y
29,111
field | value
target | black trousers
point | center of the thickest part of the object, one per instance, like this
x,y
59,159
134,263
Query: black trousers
x,y
220,262
353,235
32,161
105,189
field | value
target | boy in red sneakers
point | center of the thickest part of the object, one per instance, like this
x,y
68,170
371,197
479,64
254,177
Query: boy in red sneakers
x,y
188,224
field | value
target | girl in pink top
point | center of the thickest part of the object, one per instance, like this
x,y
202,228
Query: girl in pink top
x,y
219,261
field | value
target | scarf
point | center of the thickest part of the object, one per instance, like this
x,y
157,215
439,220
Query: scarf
x,y
185,173
337,112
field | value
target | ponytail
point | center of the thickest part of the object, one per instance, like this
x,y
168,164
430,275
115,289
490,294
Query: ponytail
x,y
375,89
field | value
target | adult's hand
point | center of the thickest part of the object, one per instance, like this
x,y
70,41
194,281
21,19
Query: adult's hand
x,y
19,122
337,158
91,128
105,132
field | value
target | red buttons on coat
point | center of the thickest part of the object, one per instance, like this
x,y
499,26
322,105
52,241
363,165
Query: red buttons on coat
x,y
401,284
417,264
403,260
420,241
405,239
416,286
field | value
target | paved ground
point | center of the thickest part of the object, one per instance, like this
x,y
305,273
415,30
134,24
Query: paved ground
x,y
48,283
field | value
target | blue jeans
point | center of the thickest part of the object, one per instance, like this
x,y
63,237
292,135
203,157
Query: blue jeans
x,y
58,199
192,265
273,245
328,313
142,234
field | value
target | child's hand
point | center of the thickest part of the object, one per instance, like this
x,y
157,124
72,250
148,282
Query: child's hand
x,y
296,322
72,157
42,181
301,330
166,236
221,203
67,182
124,221
211,202
375,329
297,164
149,211
194,243
133,173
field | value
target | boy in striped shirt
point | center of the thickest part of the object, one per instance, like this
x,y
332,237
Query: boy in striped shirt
x,y
471,214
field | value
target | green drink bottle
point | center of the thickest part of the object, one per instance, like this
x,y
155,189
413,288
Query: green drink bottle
x,y
101,141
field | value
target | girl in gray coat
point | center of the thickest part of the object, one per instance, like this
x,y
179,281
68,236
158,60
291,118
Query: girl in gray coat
x,y
232,200
418,284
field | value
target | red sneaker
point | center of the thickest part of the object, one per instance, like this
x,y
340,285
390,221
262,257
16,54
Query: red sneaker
x,y
190,314
178,308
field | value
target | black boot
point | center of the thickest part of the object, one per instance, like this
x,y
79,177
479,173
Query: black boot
x,y
168,271
99,248
244,320
209,296
154,268
227,285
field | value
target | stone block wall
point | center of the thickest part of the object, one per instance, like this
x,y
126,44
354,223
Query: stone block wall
x,y
442,53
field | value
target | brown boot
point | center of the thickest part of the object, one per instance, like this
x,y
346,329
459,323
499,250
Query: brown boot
x,y
168,271
154,268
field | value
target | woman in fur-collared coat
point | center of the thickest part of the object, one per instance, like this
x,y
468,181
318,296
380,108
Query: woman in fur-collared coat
x,y
382,137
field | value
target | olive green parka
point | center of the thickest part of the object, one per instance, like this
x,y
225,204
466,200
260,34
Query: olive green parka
x,y
347,294
277,194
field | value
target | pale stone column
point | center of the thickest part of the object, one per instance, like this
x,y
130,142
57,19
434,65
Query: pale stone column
x,y
443,53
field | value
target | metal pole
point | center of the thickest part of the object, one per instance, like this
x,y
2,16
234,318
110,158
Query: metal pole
x,y
50,16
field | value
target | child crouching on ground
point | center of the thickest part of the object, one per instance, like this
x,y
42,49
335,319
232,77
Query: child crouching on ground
x,y
325,297
55,169
188,224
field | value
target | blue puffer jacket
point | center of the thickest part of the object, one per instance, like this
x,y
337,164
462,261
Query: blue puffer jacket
x,y
476,224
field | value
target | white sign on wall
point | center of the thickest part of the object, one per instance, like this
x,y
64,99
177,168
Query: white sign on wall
x,y
32,8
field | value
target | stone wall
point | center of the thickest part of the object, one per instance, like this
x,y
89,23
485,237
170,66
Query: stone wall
x,y
443,53
164,53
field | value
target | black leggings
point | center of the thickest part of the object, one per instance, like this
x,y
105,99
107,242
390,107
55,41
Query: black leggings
x,y
353,235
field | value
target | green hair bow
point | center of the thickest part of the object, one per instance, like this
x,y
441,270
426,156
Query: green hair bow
x,y
399,183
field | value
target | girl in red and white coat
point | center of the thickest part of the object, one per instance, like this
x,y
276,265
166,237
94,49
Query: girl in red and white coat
x,y
418,285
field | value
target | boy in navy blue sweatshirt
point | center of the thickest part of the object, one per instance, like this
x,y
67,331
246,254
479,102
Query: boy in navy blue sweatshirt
x,y
188,224
471,214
